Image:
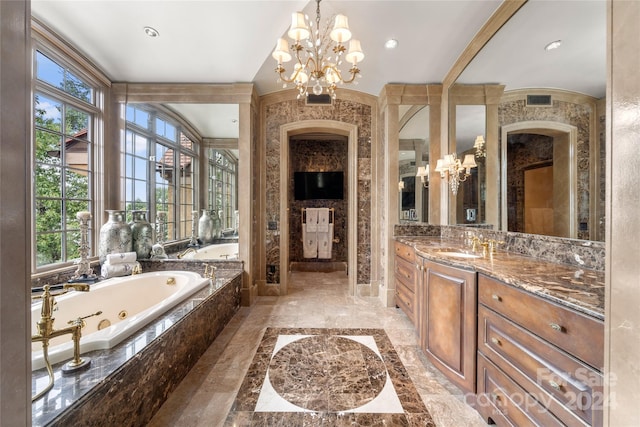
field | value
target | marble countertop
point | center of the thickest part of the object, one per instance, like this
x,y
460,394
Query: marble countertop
x,y
578,288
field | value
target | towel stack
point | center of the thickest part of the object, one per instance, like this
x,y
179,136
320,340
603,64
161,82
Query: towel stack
x,y
317,234
117,265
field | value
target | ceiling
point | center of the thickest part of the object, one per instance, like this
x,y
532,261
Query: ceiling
x,y
231,41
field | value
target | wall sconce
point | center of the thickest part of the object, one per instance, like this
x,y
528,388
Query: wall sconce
x,y
481,149
400,186
423,173
454,171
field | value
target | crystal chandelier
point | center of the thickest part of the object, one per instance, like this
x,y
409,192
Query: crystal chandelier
x,y
456,172
309,47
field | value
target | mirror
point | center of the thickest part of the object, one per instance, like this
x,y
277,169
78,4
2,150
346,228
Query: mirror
x,y
413,199
469,125
550,118
216,189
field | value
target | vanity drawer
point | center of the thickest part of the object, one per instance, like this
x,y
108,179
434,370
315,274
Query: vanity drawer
x,y
406,273
405,251
577,334
568,388
405,299
503,401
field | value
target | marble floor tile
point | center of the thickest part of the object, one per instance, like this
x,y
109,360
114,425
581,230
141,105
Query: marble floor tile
x,y
240,358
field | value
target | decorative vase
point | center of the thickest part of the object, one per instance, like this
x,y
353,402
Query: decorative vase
x,y
115,236
141,234
205,227
217,225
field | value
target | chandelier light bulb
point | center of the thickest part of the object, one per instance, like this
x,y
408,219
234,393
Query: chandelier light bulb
x,y
341,32
299,29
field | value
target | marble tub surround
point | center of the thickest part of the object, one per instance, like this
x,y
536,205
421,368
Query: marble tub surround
x,y
196,265
329,377
148,364
579,288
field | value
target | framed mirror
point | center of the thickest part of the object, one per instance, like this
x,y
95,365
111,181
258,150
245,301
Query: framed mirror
x,y
413,158
551,59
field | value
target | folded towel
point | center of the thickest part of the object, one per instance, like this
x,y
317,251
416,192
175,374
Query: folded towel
x,y
325,243
309,244
312,220
117,270
121,258
323,220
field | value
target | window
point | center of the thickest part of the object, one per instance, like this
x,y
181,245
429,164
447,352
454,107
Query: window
x,y
64,117
223,167
158,172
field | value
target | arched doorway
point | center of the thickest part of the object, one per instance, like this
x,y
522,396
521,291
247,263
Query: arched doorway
x,y
319,126
562,213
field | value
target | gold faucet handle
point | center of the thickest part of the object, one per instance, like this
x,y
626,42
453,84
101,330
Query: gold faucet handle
x,y
137,269
493,243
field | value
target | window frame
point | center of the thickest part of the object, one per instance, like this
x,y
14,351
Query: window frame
x,y
45,43
229,177
180,222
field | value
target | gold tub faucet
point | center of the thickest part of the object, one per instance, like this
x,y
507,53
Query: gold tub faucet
x,y
46,332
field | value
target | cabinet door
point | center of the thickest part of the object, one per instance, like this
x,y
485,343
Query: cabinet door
x,y
449,321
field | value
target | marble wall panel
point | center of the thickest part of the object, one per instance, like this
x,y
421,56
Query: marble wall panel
x,y
290,111
577,115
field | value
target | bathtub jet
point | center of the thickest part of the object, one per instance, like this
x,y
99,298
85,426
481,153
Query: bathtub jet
x,y
143,297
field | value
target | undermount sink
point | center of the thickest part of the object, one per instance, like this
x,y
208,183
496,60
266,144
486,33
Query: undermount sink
x,y
457,254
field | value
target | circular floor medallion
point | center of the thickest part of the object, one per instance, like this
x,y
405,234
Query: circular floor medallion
x,y
327,373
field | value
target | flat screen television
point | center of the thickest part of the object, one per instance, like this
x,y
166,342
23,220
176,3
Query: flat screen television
x,y
318,185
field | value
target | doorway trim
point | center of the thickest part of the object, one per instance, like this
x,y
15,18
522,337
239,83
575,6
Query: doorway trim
x,y
552,129
327,126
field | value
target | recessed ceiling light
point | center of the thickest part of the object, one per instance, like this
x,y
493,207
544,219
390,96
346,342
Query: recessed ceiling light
x,y
553,45
391,44
151,32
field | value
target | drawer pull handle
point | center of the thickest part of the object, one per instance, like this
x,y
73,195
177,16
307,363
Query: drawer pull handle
x,y
495,397
555,385
496,297
555,327
496,341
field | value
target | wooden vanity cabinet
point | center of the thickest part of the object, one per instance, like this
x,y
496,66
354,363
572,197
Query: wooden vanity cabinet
x,y
448,324
406,277
539,363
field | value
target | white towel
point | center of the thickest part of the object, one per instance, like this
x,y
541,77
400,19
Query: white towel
x,y
312,220
323,220
117,270
325,243
309,244
121,258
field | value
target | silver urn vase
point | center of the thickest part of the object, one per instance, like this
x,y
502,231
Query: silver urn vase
x,y
206,228
115,236
217,225
141,234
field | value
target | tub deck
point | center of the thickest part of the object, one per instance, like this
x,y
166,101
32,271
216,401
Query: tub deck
x,y
142,364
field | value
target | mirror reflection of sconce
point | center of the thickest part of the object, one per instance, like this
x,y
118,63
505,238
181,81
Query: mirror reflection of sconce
x,y
481,149
423,173
454,171
400,186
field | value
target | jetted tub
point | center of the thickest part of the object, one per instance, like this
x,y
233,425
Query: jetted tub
x,y
222,251
127,304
